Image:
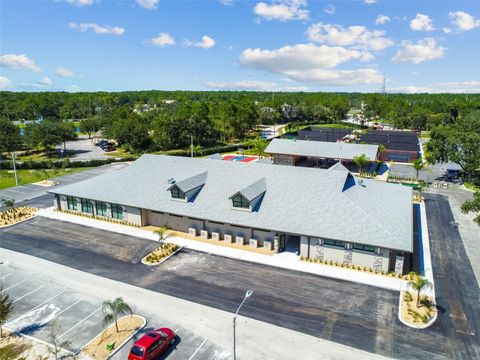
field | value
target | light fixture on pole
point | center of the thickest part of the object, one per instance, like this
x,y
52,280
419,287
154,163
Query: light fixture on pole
x,y
247,295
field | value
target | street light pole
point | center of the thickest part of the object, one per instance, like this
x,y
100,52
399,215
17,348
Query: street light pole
x,y
14,168
247,295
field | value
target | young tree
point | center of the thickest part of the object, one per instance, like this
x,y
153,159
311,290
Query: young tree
x,y
473,206
53,337
360,161
112,310
91,125
419,283
418,165
6,309
161,233
9,136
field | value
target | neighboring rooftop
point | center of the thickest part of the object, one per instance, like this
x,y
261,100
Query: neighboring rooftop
x,y
320,149
296,200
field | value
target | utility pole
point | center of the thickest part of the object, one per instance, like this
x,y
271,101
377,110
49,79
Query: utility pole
x,y
14,168
384,87
191,146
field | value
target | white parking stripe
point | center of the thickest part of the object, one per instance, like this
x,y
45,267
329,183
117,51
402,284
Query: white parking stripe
x,y
81,321
68,307
10,287
196,351
4,276
31,292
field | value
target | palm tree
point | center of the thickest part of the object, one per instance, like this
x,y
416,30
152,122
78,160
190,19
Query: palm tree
x,y
162,233
360,161
259,144
418,165
8,203
419,283
112,310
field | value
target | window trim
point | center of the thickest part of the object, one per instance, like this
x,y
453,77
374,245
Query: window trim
x,y
117,207
87,204
72,203
362,247
177,194
102,212
334,243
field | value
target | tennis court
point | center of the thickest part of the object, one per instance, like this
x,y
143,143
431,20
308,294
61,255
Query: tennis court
x,y
240,158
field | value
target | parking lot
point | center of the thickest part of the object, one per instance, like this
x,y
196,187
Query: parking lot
x,y
39,300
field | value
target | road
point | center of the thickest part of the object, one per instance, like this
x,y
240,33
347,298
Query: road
x,y
84,149
329,309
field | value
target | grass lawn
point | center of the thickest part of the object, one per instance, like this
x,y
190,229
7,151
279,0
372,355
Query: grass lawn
x,y
7,178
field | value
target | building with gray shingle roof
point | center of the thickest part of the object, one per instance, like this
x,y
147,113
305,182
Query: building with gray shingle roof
x,y
314,207
288,151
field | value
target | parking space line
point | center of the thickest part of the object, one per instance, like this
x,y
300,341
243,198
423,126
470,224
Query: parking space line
x,y
4,276
68,307
43,303
10,287
198,349
81,321
31,292
45,342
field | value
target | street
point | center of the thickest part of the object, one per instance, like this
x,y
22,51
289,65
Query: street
x,y
326,308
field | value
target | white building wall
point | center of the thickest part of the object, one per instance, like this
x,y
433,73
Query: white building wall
x,y
132,215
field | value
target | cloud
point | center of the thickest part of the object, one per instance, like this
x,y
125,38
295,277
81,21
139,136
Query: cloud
x,y
354,36
206,43
369,2
447,30
282,10
44,81
148,4
64,72
422,50
421,22
460,87
253,85
17,62
80,2
329,9
382,19
309,63
243,85
5,83
464,21
97,29
163,39
227,2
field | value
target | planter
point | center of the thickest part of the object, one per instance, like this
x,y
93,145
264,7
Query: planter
x,y
162,259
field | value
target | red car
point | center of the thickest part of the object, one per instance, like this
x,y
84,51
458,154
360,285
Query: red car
x,y
152,344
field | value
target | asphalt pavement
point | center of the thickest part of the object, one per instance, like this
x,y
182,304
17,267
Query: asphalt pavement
x,y
326,308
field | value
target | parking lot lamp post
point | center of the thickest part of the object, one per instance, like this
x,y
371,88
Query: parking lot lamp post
x,y
247,295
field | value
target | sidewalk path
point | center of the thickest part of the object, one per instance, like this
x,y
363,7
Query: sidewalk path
x,y
278,260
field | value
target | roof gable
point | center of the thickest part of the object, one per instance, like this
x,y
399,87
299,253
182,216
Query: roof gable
x,y
253,190
190,183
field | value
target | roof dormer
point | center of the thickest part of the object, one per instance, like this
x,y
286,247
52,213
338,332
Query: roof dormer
x,y
250,197
187,189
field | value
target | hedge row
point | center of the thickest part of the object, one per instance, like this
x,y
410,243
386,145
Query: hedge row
x,y
57,164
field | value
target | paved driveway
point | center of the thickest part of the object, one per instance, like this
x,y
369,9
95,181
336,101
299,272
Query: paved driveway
x,y
330,309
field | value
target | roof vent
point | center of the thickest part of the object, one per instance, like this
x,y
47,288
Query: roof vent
x,y
360,182
171,181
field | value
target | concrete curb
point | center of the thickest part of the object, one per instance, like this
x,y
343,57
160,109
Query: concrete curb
x,y
123,343
144,262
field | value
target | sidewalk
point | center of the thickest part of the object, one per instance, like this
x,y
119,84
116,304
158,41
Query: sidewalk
x,y
282,260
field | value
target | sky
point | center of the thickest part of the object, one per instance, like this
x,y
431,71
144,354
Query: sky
x,y
270,45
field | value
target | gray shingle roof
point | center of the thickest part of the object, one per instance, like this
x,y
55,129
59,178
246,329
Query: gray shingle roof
x,y
303,201
191,182
336,150
253,190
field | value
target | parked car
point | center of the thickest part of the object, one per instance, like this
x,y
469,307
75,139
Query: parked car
x,y
452,173
152,344
101,142
109,148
